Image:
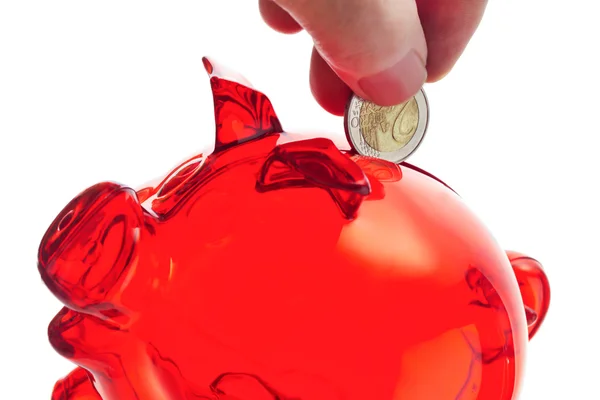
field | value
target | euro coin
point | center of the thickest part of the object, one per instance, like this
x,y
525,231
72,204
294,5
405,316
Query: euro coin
x,y
391,133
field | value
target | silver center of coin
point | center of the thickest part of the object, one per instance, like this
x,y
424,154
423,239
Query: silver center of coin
x,y
391,133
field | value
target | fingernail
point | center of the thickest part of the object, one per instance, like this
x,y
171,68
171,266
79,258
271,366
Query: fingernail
x,y
396,84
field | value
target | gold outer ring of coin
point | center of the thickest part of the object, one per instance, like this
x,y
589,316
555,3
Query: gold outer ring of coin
x,y
379,121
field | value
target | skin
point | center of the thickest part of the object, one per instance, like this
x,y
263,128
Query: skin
x,y
382,50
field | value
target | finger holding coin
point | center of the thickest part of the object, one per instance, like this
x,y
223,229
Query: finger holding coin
x,y
391,133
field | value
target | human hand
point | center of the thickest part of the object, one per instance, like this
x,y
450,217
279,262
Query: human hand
x,y
382,50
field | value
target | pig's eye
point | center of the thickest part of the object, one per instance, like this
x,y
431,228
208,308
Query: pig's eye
x,y
176,182
65,221
177,185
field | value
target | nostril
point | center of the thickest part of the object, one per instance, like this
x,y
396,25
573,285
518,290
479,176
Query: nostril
x,y
90,244
71,218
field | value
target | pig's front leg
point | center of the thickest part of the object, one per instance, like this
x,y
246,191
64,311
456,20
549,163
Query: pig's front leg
x,y
75,386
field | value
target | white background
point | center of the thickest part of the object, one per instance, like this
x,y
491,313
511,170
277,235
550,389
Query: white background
x,y
115,90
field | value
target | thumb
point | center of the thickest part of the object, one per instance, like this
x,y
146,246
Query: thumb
x,y
377,47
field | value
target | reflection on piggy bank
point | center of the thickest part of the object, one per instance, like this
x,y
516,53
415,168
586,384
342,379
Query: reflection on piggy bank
x,y
280,267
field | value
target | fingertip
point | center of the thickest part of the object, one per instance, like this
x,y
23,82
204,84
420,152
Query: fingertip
x,y
277,18
397,83
327,88
440,64
436,76
448,26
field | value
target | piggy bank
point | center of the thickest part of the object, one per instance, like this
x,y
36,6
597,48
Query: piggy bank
x,y
282,267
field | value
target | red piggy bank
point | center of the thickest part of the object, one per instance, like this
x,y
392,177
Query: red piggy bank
x,y
278,268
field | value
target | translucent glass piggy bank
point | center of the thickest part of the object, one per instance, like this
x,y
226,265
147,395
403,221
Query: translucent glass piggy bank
x,y
285,267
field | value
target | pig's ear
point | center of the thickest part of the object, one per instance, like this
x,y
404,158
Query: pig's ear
x,y
534,287
241,112
90,244
316,163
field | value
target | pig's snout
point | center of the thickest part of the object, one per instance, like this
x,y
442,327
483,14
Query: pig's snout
x,y
90,244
